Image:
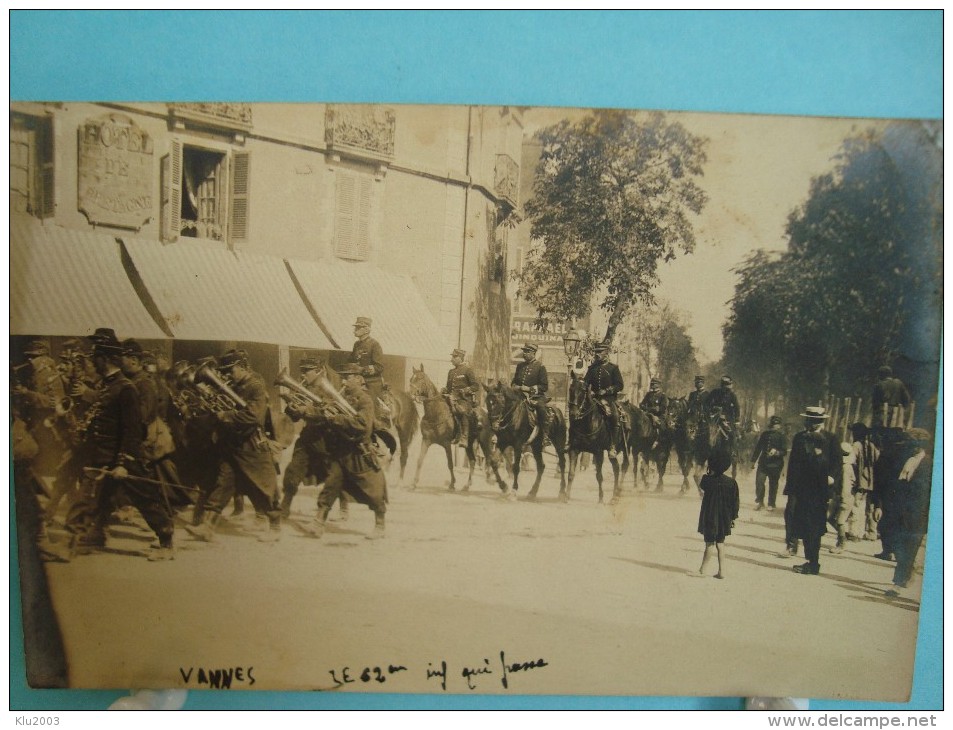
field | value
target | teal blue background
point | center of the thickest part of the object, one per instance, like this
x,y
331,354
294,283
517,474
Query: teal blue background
x,y
824,63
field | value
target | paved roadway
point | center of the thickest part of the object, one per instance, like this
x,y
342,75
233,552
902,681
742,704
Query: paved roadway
x,y
579,598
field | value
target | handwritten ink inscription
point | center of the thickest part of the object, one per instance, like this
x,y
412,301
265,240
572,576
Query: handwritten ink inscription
x,y
442,674
221,678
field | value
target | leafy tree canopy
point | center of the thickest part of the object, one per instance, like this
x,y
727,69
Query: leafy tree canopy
x,y
612,196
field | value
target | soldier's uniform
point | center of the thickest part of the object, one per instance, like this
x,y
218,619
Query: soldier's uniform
x,y
697,411
531,374
354,467
369,357
246,465
655,403
462,387
113,439
309,458
605,380
724,398
37,398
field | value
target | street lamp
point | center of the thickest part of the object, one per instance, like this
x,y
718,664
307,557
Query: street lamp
x,y
571,342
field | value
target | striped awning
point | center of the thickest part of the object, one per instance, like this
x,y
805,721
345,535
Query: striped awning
x,y
339,292
204,292
66,282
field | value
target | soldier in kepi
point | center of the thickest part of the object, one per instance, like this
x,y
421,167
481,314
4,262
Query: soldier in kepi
x,y
369,357
531,378
655,402
461,390
605,381
354,467
110,451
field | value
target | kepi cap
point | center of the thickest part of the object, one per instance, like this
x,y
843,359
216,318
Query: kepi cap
x,y
363,322
530,347
37,347
309,363
232,357
458,353
349,368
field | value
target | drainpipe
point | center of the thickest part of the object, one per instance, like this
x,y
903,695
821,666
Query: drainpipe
x,y
466,207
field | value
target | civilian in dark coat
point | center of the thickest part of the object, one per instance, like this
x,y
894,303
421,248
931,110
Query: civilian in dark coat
x,y
815,467
913,504
769,455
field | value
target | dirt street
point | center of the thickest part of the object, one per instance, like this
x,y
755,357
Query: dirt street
x,y
471,593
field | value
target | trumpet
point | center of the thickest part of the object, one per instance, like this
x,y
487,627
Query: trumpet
x,y
205,374
301,397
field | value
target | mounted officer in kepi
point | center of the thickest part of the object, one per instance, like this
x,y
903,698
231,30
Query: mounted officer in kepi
x,y
462,388
533,381
605,381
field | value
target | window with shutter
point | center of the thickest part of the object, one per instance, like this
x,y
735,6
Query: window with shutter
x,y
352,218
241,169
31,165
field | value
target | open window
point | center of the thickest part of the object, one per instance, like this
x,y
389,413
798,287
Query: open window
x,y
204,194
31,165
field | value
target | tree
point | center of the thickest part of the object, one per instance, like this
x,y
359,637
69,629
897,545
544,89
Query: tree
x,y
611,198
859,285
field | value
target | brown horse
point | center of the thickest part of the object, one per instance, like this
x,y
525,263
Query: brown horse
x,y
436,427
589,433
509,412
405,420
646,441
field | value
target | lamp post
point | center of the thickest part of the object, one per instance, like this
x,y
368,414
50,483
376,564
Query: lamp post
x,y
571,342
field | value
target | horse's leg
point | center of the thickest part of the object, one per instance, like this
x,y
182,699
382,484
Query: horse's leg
x,y
661,465
615,476
471,457
448,448
424,445
404,443
597,459
573,462
517,459
537,449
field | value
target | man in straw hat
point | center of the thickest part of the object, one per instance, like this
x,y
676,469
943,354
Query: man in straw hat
x,y
815,469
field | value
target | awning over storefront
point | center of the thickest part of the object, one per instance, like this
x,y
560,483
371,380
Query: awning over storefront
x,y
65,282
208,293
339,292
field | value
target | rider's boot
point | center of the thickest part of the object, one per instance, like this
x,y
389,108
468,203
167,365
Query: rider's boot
x,y
613,454
463,428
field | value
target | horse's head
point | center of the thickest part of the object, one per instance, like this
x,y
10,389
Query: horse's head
x,y
579,396
719,428
420,385
500,400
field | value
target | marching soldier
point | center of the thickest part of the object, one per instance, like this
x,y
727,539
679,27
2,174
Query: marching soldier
x,y
111,453
246,466
369,357
531,378
655,402
605,381
462,387
39,397
354,467
310,456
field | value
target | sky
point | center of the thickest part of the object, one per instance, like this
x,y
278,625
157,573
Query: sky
x,y
759,169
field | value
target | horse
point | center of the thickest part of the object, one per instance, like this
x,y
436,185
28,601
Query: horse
x,y
405,419
589,433
683,438
436,427
646,440
509,412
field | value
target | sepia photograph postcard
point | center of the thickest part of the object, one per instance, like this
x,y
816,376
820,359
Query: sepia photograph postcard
x,y
472,400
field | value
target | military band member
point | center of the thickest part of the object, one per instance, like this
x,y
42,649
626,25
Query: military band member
x,y
369,357
39,396
246,466
354,467
462,387
531,378
111,453
309,458
605,381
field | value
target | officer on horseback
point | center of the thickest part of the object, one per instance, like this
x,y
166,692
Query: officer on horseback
x,y
461,390
532,380
605,381
697,399
655,402
724,398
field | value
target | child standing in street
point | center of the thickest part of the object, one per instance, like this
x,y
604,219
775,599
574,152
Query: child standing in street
x,y
719,509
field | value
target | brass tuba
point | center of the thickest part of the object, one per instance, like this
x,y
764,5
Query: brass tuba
x,y
205,374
